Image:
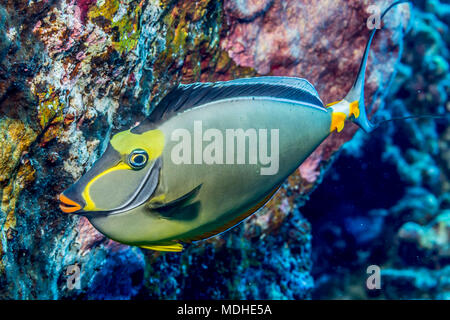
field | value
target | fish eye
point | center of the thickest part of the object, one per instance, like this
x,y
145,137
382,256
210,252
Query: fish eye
x,y
138,159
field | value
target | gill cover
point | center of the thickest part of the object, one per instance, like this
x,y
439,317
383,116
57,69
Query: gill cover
x,y
124,177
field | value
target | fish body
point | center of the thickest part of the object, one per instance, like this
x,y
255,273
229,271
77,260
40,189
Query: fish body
x,y
225,193
208,156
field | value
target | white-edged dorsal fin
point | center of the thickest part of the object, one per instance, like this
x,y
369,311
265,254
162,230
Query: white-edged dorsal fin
x,y
187,96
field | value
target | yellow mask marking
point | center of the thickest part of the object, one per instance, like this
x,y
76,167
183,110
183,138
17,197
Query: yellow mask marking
x,y
337,121
151,141
90,205
354,109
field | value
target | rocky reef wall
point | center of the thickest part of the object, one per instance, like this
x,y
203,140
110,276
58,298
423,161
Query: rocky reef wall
x,y
74,72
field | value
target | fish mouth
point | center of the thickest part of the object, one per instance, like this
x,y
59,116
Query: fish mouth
x,y
68,205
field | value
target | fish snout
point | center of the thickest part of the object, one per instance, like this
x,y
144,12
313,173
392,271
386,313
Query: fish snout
x,y
68,205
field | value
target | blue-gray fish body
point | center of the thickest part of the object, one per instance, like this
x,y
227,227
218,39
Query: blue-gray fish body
x,y
224,192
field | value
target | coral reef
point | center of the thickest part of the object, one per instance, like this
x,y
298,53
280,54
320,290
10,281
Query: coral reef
x,y
396,214
74,72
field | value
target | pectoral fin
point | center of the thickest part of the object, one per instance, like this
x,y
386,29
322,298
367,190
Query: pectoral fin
x,y
170,209
233,222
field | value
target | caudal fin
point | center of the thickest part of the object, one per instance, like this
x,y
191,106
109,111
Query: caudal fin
x,y
353,103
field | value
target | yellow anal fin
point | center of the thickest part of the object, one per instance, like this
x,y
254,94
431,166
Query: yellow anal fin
x,y
176,247
354,109
337,121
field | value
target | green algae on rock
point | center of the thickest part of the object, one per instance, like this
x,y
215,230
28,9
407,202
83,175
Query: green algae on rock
x,y
15,173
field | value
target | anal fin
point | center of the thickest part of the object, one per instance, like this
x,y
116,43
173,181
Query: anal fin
x,y
176,247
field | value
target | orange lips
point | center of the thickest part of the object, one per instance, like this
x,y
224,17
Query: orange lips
x,y
68,205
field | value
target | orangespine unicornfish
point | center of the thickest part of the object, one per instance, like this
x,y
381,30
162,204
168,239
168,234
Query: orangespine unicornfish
x,y
208,156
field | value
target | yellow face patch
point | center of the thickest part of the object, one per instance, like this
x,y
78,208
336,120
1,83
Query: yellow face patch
x,y
151,141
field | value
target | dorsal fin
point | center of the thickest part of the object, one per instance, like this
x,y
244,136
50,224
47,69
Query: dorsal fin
x,y
233,222
187,96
